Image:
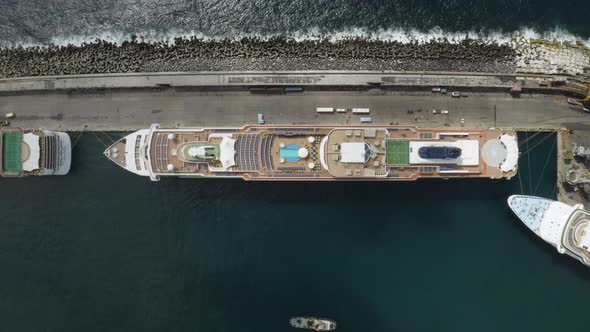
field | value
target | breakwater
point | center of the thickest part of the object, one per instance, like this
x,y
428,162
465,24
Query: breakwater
x,y
194,54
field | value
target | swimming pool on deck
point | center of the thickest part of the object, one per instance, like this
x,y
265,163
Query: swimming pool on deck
x,y
290,153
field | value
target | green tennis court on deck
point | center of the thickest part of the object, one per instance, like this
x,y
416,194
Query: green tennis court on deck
x,y
11,152
398,152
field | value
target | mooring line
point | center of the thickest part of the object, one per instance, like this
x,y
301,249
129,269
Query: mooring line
x,y
536,144
79,136
545,166
77,139
109,137
529,138
520,183
528,159
101,142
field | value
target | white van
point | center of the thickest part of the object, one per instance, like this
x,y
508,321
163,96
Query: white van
x,y
325,109
360,111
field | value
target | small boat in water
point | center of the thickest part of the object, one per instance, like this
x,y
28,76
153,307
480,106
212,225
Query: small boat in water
x,y
318,324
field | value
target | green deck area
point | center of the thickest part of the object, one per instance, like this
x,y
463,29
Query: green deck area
x,y
11,152
398,152
213,151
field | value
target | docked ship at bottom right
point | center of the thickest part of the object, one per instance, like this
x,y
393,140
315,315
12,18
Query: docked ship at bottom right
x,y
565,227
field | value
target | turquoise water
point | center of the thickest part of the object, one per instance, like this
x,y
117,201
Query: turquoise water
x,y
105,250
290,152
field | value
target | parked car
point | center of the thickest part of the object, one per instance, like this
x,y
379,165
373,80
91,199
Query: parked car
x,y
456,94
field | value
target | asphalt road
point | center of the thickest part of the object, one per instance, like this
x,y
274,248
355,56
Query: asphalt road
x,y
129,110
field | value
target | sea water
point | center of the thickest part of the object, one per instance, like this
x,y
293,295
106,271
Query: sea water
x,y
102,249
34,22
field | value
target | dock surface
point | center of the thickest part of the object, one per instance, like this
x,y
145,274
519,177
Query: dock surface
x,y
118,110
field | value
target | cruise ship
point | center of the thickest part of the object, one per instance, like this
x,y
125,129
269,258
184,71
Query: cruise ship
x,y
565,227
34,152
297,153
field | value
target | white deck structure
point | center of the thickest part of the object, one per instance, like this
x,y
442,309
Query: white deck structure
x,y
353,152
33,148
561,225
511,159
227,152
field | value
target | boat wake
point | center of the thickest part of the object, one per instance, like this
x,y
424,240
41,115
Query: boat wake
x,y
394,34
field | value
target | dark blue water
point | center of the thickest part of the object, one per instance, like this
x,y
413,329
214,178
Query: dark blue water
x,y
40,21
104,250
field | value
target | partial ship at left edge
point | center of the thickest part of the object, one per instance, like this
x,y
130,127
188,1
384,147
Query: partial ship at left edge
x,y
35,152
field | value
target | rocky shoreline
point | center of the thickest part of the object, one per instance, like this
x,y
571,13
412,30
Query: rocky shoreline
x,y
256,54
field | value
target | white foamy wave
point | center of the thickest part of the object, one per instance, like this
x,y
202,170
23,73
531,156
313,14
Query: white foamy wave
x,y
409,36
394,34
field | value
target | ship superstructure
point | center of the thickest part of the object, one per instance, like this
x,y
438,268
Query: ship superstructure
x,y
565,227
34,152
317,153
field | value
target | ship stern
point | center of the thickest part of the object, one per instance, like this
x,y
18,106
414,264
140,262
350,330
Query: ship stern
x,y
64,154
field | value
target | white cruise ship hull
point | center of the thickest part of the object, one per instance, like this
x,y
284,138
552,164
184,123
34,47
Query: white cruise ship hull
x,y
317,153
61,156
559,224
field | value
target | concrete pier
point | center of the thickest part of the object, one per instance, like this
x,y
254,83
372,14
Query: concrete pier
x,y
130,110
132,101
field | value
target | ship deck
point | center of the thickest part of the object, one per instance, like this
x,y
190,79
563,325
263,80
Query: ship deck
x,y
576,236
321,153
